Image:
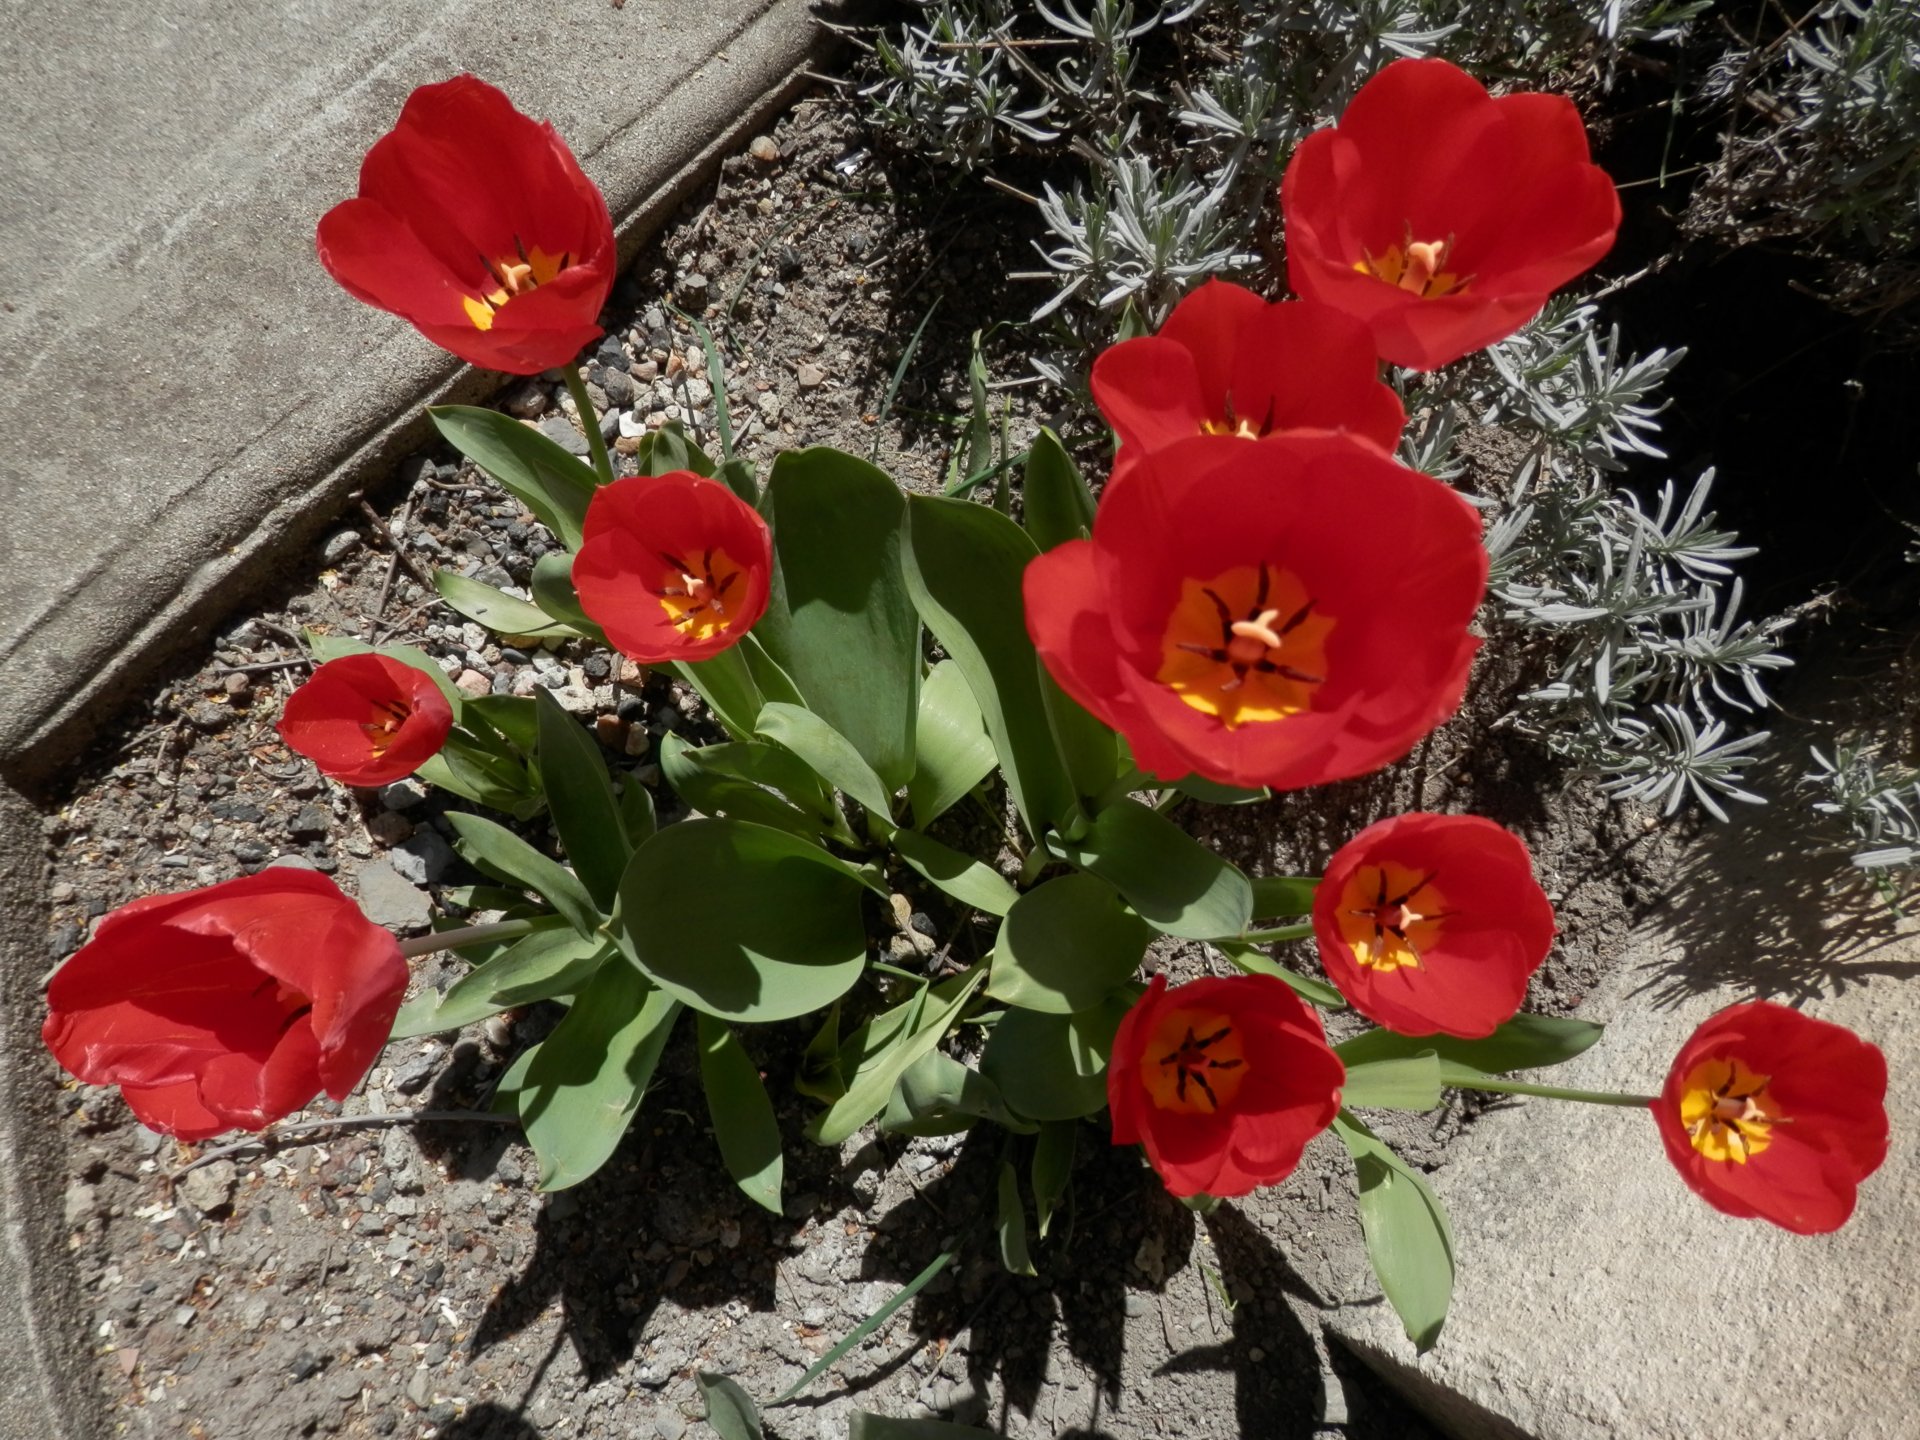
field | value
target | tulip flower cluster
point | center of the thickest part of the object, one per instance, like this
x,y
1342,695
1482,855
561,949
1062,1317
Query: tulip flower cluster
x,y
1264,598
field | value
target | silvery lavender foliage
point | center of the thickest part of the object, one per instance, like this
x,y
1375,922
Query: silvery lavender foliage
x,y
1879,804
1641,604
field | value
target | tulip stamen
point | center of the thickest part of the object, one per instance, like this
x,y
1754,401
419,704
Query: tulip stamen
x,y
1418,267
695,596
1247,645
1191,1062
512,277
389,717
1380,924
1727,1110
1235,424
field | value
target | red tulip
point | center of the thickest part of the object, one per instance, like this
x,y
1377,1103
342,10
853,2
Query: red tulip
x,y
1223,1081
1771,1113
1229,363
475,224
1432,924
1442,217
229,1006
367,720
672,567
1284,612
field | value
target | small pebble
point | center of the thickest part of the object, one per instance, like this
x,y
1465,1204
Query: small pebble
x,y
339,546
811,376
766,152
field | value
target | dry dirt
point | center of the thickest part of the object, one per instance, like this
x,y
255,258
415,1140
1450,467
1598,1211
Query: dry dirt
x,y
403,1277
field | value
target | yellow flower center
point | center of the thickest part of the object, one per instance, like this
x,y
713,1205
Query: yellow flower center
x,y
1389,914
520,274
1238,425
388,718
1194,1062
1417,266
1727,1111
1245,646
695,597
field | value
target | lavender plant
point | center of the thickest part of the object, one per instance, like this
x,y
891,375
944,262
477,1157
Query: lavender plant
x,y
1878,804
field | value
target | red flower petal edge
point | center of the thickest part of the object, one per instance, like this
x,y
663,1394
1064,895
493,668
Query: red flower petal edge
x,y
1440,217
673,567
1433,924
229,1006
1773,1114
1223,1081
367,719
476,225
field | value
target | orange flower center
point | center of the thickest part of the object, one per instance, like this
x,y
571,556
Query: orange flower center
x,y
1245,646
519,274
1727,1111
1418,267
696,601
1389,914
389,717
1194,1063
1240,425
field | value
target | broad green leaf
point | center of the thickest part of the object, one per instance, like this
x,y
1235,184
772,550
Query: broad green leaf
x,y
504,855
1399,1082
462,773
1314,992
1056,504
885,1050
937,1095
1011,1223
1197,787
726,683
964,878
1178,885
332,647
536,471
953,752
1054,1067
867,1326
819,1073
742,921
1526,1042
496,609
1133,324
668,449
1052,1169
1408,1238
580,799
553,959
737,474
730,1410
1065,946
1282,895
742,1114
839,620
862,1425
636,811
552,588
512,717
772,682
827,753
732,780
588,1077
964,565
1089,750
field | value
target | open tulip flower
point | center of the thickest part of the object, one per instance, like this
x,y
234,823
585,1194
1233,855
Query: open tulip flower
x,y
1283,613
1440,216
672,567
1432,924
1229,363
1771,1113
1223,1081
229,1006
475,224
367,719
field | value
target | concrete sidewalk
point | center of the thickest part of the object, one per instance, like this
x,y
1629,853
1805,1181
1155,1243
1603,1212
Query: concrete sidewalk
x,y
191,396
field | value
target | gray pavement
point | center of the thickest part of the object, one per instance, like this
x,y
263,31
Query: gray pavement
x,y
189,396
1596,1297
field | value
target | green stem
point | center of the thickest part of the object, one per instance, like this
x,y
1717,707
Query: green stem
x,y
1557,1092
590,423
468,935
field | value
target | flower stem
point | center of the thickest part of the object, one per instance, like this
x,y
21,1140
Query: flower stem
x,y
590,423
468,935
1556,1092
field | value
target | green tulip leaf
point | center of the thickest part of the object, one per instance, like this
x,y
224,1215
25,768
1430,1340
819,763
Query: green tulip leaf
x,y
1065,946
551,586
1526,1042
954,753
1314,992
827,753
1054,1067
878,1053
1408,1238
964,878
580,799
725,681
1056,504
734,780
937,1095
1178,885
730,1410
1398,1082
553,960
1012,1223
742,1115
536,471
1052,1169
839,620
497,610
502,854
742,921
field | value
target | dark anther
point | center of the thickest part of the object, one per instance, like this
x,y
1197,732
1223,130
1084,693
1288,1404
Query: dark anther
x,y
1266,425
1427,880
1297,615
1201,1080
675,561
1260,595
1226,615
